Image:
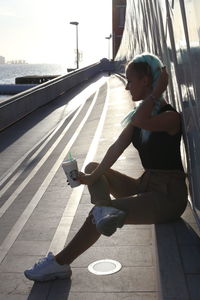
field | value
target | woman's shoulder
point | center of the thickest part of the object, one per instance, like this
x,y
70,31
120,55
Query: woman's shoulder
x,y
174,118
167,107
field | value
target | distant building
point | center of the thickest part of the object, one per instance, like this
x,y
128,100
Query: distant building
x,y
118,20
17,62
2,60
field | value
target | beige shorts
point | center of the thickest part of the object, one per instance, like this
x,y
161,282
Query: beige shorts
x,y
157,197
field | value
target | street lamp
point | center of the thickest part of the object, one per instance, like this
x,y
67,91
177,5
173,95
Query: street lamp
x,y
77,52
108,38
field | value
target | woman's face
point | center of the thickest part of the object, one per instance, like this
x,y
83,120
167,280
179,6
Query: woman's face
x,y
139,87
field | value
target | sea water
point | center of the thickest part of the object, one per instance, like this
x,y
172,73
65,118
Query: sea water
x,y
8,72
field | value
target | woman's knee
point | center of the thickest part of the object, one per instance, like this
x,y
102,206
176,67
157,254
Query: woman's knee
x,y
91,167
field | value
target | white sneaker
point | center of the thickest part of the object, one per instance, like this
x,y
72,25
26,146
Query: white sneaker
x,y
108,219
48,269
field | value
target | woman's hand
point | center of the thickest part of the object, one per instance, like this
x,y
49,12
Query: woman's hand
x,y
161,84
87,179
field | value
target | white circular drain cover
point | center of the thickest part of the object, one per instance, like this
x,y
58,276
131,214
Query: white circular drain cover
x,y
104,267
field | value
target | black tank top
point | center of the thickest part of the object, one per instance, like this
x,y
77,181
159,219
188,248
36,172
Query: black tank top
x,y
160,150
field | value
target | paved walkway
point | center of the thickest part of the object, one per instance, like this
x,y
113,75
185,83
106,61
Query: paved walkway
x,y
56,212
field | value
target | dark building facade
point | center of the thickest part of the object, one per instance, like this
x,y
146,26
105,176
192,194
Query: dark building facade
x,y
118,20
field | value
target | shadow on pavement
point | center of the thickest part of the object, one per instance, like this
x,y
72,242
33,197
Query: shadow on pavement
x,y
50,290
12,133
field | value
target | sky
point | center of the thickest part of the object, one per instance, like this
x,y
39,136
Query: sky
x,y
38,31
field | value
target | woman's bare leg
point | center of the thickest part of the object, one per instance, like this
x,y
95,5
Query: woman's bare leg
x,y
100,192
84,239
112,183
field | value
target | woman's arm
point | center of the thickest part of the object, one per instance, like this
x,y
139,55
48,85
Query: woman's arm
x,y
113,153
168,121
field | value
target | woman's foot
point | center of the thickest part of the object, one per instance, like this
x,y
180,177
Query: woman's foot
x,y
108,219
48,269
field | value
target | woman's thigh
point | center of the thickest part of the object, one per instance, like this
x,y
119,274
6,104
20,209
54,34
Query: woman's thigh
x,y
122,185
148,208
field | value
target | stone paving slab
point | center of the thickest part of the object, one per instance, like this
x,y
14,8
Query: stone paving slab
x,y
129,279
32,248
123,237
127,255
112,296
178,248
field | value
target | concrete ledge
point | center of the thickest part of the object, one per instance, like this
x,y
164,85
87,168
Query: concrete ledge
x,y
178,260
12,89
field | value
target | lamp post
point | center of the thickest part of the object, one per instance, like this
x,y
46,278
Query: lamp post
x,y
77,52
108,38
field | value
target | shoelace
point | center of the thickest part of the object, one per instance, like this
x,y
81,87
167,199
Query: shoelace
x,y
108,214
41,261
